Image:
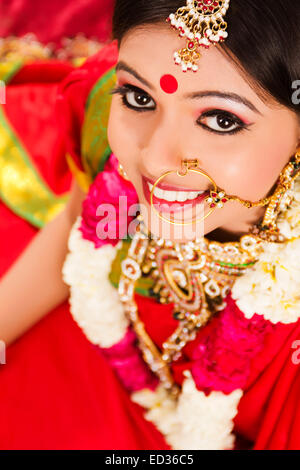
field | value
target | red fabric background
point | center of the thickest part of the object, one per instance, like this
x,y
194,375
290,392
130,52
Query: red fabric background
x,y
30,109
52,20
57,390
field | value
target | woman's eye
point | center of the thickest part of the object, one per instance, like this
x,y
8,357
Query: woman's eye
x,y
136,99
221,122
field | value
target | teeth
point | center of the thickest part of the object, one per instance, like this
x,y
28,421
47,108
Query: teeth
x,y
193,195
181,196
159,193
174,196
167,196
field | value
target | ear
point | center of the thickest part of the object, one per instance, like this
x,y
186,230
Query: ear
x,y
298,145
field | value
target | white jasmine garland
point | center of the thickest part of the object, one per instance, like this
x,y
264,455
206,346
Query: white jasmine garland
x,y
195,421
94,302
272,287
289,221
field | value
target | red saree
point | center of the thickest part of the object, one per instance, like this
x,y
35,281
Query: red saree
x,y
53,21
57,390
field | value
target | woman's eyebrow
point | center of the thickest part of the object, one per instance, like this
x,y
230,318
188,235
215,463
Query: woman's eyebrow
x,y
194,95
226,96
123,66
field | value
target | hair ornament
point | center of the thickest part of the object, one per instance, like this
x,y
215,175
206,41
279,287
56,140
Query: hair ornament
x,y
202,23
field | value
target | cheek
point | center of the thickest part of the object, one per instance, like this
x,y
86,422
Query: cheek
x,y
267,154
253,171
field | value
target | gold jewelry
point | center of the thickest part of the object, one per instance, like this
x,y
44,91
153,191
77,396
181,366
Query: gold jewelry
x,y
279,202
276,203
196,277
122,172
216,199
187,166
202,23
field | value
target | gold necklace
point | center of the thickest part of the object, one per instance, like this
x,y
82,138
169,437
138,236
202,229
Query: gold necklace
x,y
196,277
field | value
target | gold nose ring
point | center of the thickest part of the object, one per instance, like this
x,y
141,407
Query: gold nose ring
x,y
186,167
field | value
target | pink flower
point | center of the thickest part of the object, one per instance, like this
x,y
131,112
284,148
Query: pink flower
x,y
223,357
126,359
105,210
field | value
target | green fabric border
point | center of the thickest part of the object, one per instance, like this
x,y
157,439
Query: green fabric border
x,y
96,167
15,67
51,198
144,284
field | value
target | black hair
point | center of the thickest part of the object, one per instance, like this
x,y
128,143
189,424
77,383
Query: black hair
x,y
263,39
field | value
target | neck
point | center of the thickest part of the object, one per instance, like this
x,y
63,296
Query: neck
x,y
223,236
237,230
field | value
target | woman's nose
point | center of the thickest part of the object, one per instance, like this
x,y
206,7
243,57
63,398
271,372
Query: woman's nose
x,y
164,146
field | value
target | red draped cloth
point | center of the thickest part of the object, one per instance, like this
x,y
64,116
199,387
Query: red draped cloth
x,y
30,109
53,20
57,391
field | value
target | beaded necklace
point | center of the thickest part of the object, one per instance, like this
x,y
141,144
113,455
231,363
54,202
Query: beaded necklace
x,y
196,277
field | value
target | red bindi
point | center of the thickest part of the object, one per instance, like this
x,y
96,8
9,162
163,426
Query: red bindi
x,y
168,84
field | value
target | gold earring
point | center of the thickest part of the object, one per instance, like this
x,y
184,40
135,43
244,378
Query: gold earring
x,y
279,201
122,172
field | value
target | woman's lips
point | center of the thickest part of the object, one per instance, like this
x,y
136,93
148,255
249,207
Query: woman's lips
x,y
169,198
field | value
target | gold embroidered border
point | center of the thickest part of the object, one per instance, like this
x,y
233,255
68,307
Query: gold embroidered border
x,y
21,187
95,148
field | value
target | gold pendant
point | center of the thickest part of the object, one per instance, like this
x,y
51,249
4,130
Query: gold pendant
x,y
196,277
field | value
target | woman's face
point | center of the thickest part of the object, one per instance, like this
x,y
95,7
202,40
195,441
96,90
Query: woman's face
x,y
214,116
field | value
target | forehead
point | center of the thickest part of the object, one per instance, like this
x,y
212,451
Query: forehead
x,y
149,50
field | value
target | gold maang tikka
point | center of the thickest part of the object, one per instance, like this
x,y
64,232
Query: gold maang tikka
x,y
202,23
